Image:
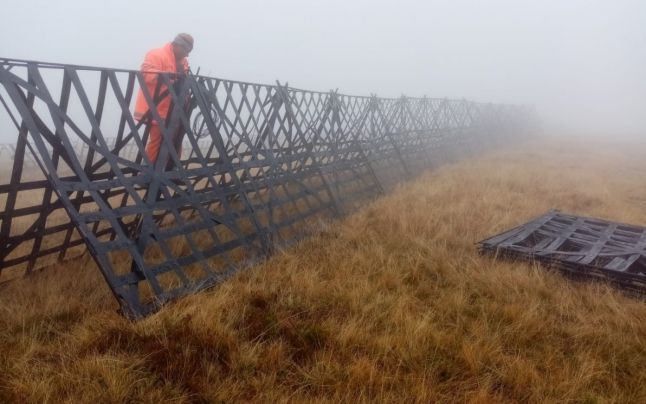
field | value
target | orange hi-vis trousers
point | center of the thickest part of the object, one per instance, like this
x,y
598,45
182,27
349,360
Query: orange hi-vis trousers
x,y
154,144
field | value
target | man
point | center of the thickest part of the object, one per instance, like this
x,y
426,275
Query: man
x,y
170,58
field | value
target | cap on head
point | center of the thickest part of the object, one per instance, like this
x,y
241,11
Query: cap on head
x,y
185,41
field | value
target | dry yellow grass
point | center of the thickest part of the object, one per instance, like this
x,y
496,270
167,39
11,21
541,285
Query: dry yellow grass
x,y
391,304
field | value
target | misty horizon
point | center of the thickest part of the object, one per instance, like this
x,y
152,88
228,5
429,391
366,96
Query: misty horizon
x,y
579,63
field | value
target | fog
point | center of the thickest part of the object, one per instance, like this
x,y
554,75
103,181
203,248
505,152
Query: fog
x,y
581,63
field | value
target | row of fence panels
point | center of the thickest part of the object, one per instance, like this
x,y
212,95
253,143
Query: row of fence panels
x,y
242,168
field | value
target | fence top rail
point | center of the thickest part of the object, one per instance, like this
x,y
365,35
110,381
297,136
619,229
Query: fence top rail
x,y
55,65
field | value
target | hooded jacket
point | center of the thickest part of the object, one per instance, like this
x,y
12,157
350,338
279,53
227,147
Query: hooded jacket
x,y
158,60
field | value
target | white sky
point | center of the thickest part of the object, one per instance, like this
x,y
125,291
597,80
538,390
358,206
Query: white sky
x,y
582,63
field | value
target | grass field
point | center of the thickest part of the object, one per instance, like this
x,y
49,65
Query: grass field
x,y
392,304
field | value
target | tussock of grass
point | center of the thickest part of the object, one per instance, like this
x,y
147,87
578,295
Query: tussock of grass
x,y
393,304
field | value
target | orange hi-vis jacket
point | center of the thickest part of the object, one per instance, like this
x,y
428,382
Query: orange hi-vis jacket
x,y
158,60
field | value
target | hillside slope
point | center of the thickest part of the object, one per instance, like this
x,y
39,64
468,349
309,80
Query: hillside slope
x,y
393,303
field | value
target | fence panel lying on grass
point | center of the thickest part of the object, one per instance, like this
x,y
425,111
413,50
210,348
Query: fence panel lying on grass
x,y
257,166
581,246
